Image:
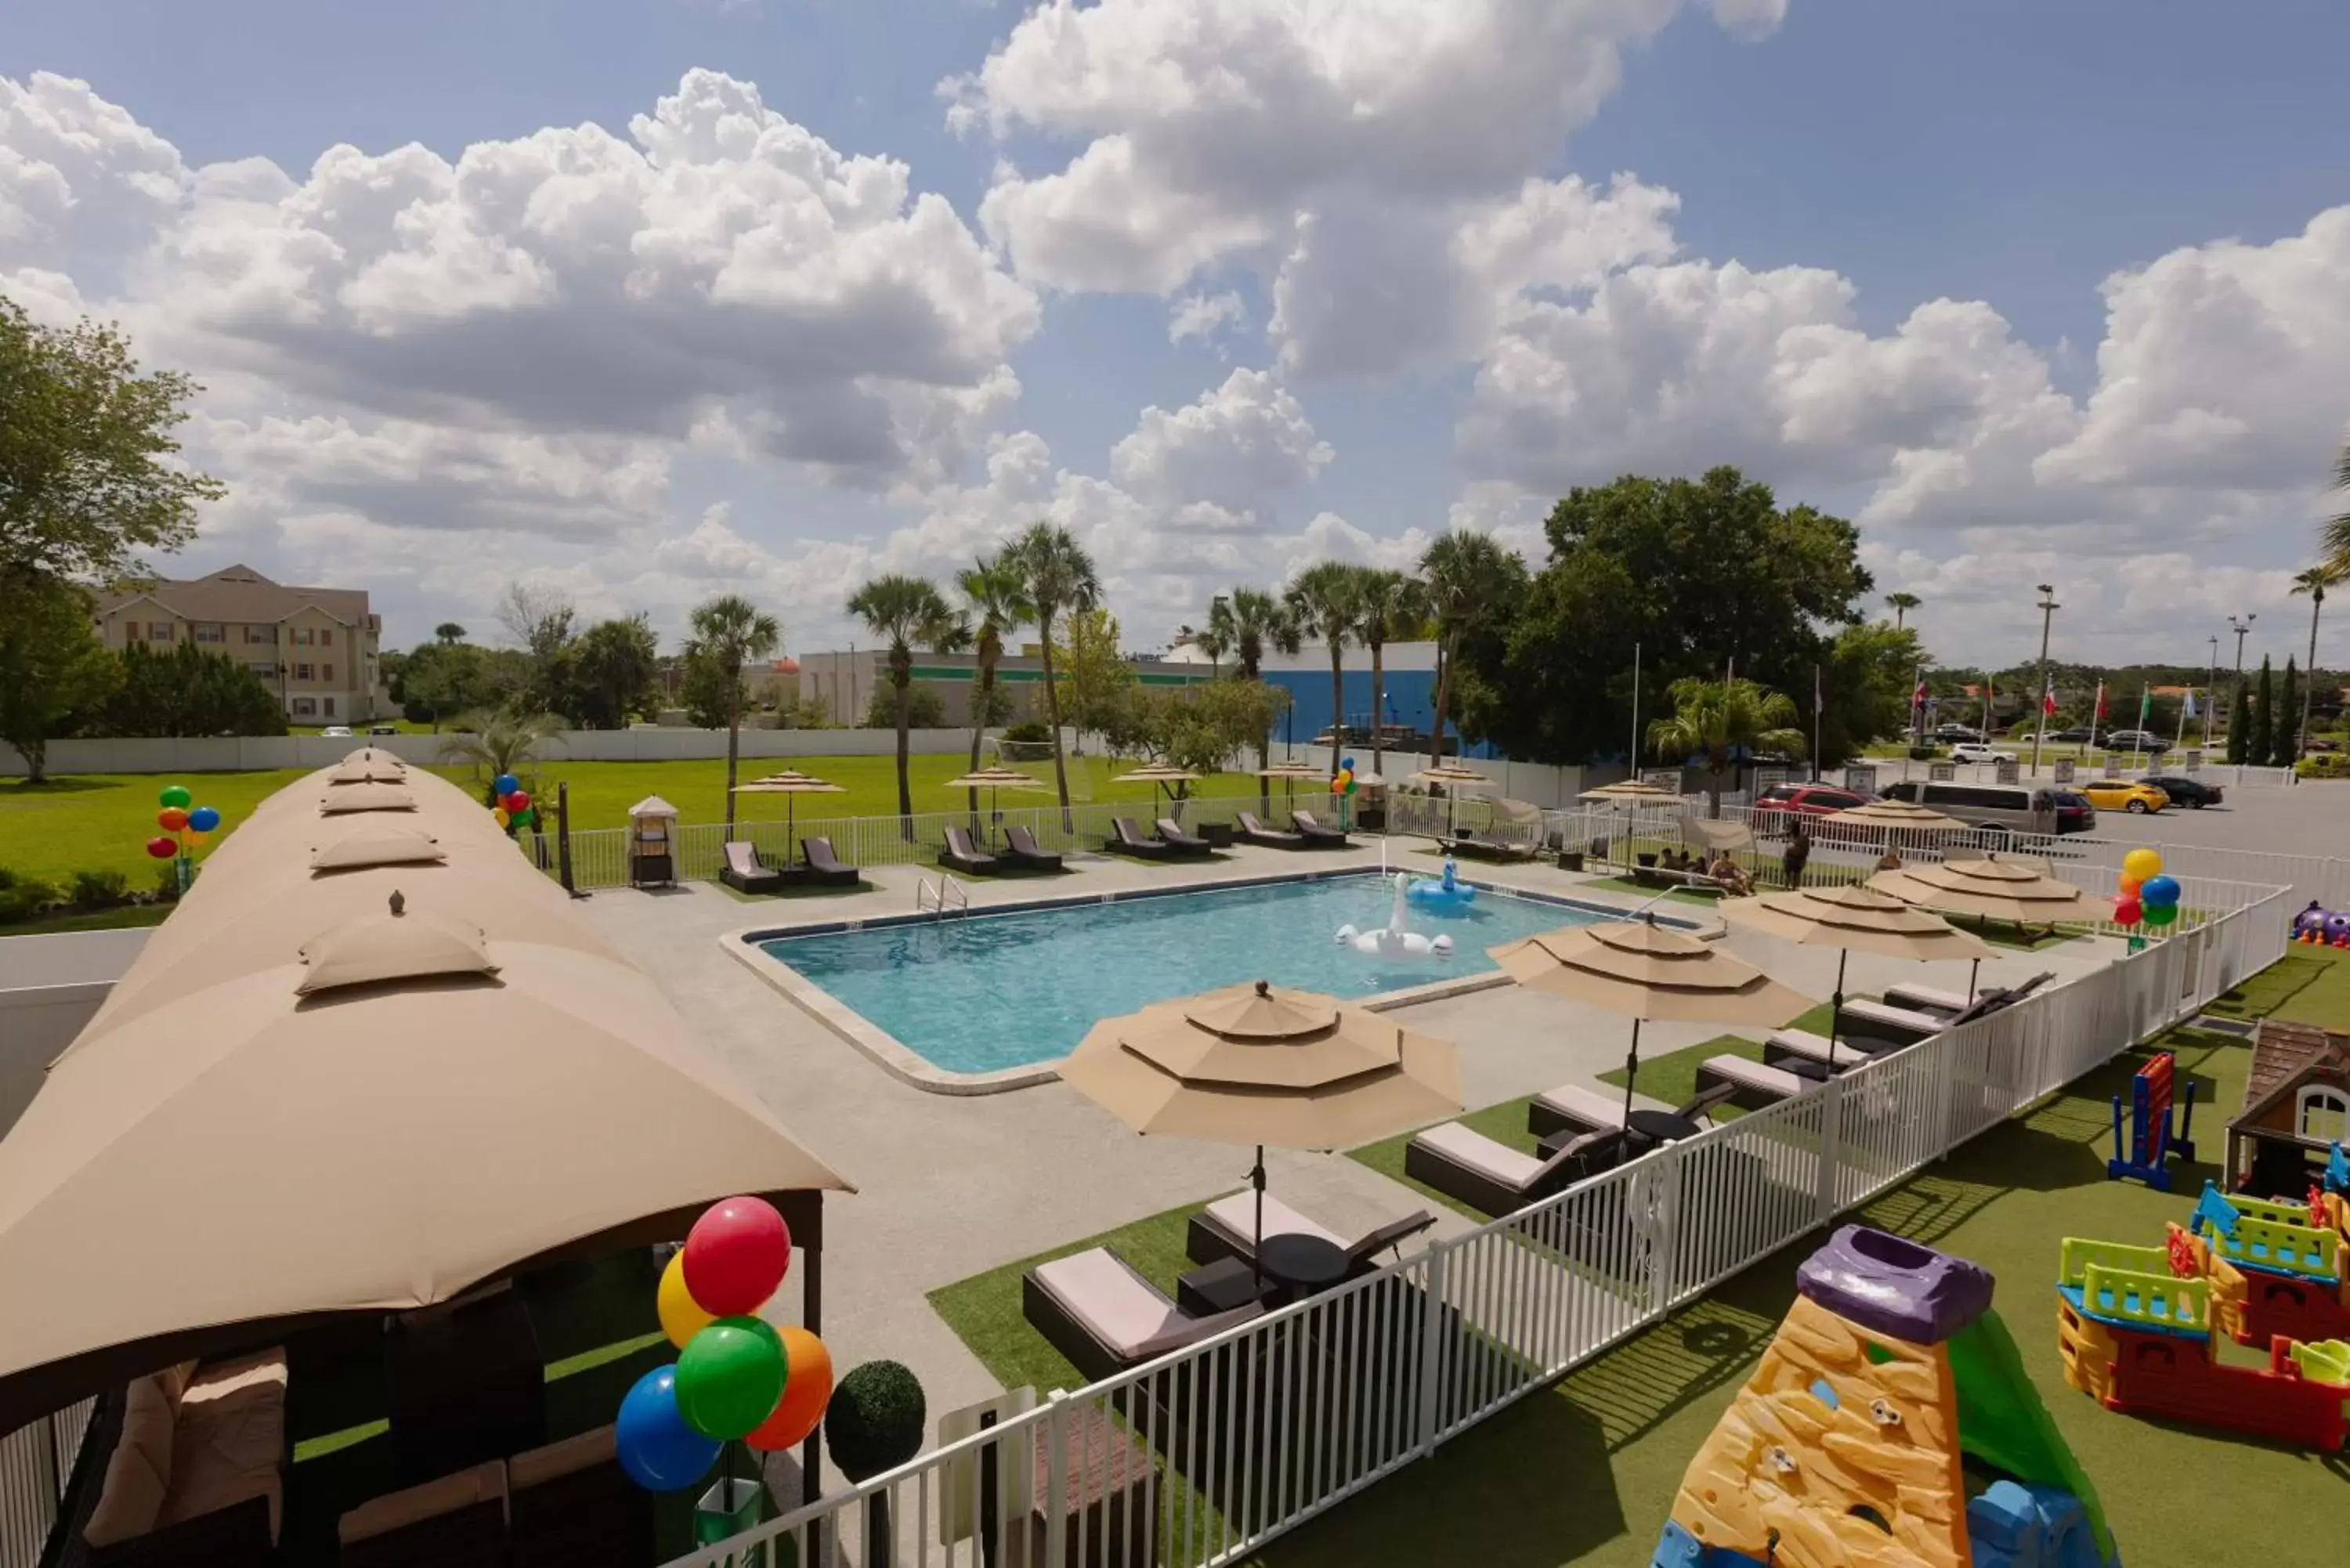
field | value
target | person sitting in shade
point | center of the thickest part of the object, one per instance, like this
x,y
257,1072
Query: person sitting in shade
x,y
1725,873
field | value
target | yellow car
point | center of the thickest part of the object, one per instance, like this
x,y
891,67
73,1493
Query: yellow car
x,y
2125,795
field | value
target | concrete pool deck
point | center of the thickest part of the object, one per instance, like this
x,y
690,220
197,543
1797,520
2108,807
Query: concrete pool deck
x,y
949,1186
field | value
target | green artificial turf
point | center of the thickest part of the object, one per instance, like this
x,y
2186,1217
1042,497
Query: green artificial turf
x,y
1672,1077
2308,985
102,821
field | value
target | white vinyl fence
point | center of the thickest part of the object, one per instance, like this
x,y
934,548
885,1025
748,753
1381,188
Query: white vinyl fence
x,y
1200,1458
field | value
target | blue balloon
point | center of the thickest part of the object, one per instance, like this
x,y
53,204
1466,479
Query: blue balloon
x,y
656,1447
2159,892
505,784
203,819
1348,764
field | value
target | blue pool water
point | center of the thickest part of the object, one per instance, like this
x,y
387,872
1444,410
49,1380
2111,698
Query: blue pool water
x,y
1003,990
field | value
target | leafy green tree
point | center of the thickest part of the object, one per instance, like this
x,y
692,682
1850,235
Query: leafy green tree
x,y
1719,720
1060,580
611,673
925,708
1247,622
189,690
2240,724
2284,736
1095,676
443,678
905,612
52,666
995,603
1199,728
2336,535
2262,741
729,632
1327,599
89,476
1389,605
709,698
448,631
1473,585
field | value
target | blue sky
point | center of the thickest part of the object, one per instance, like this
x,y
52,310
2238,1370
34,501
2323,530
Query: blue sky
x,y
2004,152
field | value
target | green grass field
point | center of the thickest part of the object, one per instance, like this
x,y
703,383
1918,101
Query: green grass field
x,y
94,821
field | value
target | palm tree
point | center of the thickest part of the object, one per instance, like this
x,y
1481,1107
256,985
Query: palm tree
x,y
1467,575
1717,720
1389,604
2336,535
1247,622
2314,581
1324,599
731,631
1902,604
903,611
995,599
1209,641
498,742
1058,579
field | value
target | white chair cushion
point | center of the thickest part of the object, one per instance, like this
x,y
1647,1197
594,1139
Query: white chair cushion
x,y
1925,996
1595,1110
1117,1306
1479,1153
1236,1217
1755,1075
1894,1017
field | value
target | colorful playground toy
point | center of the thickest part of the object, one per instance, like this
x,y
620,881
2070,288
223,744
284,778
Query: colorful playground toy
x,y
2151,1139
1452,893
1845,1447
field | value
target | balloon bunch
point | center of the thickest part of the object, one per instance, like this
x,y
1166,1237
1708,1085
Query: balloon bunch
x,y
736,1374
1343,782
514,809
185,830
2143,893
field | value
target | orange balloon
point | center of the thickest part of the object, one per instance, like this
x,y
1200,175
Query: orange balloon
x,y
170,819
807,1387
2128,887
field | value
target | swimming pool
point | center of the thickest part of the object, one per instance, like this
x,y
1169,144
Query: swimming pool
x,y
994,992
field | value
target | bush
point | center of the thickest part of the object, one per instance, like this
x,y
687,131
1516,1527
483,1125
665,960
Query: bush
x,y
2323,765
1924,753
875,1420
167,882
27,897
925,708
99,890
1031,730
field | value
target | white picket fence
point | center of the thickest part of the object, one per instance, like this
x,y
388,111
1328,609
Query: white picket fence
x,y
1200,1458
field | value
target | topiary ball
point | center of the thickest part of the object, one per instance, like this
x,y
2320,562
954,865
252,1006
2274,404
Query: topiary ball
x,y
875,1420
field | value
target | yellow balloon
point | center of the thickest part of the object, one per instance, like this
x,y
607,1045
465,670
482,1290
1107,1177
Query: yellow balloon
x,y
2141,864
498,814
194,837
681,1316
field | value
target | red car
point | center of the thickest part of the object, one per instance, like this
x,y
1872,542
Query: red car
x,y
1776,809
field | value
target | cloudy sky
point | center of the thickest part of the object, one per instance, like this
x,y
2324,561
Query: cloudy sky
x,y
649,298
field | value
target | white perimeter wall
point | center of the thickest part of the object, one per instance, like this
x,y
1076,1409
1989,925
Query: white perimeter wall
x,y
49,988
216,755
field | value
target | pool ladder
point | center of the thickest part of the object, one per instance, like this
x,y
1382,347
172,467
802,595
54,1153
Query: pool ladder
x,y
941,895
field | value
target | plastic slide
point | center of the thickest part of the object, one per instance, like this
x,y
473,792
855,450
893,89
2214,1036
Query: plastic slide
x,y
2003,1423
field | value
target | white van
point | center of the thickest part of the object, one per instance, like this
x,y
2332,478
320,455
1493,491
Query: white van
x,y
2017,808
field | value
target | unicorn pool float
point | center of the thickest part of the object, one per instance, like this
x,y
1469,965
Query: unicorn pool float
x,y
1396,938
1450,894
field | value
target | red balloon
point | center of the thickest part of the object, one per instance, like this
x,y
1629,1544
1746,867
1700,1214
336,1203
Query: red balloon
x,y
163,848
170,819
2128,912
735,1256
517,802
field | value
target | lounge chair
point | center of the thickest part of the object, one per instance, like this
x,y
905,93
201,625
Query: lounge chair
x,y
824,868
1494,1179
962,854
1751,1084
1096,1309
745,872
1875,1021
1251,831
1020,852
1316,836
1782,1047
1171,833
1227,1228
1125,838
1927,999
1571,1107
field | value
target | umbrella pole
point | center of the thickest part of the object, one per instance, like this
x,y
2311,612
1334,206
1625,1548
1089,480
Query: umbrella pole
x,y
1974,973
1631,1072
1256,1254
1835,1005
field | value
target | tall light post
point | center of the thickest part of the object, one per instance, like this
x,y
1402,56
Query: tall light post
x,y
2211,691
2048,609
2241,626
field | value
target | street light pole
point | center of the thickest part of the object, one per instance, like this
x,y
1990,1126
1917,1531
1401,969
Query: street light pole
x,y
2211,691
2240,625
2048,609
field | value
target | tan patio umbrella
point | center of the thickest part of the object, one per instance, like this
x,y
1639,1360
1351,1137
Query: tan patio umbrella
x,y
791,783
1159,777
994,779
1252,1065
1718,836
1887,817
1648,973
1990,889
1634,792
1854,920
1455,778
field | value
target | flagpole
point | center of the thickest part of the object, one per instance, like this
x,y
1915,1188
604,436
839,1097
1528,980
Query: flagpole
x,y
1817,706
2179,741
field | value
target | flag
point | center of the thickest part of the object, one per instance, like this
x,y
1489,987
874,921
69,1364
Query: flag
x,y
2189,710
2101,701
2048,698
2145,704
1918,698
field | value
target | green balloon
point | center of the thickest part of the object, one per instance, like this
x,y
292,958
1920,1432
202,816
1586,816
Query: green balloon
x,y
2159,914
729,1377
176,794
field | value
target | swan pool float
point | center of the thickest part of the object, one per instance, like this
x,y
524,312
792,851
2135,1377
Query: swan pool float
x,y
1450,894
1396,939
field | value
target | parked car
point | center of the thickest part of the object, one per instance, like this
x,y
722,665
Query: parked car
x,y
2074,813
383,729
2193,793
2011,808
336,731
2125,795
1776,809
2136,741
1957,732
1979,751
2077,736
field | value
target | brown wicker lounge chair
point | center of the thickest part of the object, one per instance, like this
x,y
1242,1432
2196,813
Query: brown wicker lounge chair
x,y
1251,831
1020,852
962,854
1125,838
824,868
1316,836
1227,1228
1494,1179
745,872
1098,1311
1171,833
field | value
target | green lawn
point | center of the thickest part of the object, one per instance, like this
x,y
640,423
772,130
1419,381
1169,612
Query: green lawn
x,y
91,822
130,914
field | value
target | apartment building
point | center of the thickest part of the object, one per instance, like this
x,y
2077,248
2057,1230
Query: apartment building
x,y
316,648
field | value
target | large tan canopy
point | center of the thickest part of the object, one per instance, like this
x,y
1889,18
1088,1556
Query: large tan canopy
x,y
472,1082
